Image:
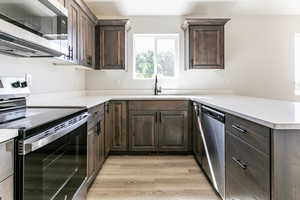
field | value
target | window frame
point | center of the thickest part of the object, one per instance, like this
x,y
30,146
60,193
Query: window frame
x,y
175,36
296,64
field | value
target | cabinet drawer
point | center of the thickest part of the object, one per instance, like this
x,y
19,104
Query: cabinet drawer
x,y
254,134
7,188
96,114
7,159
248,172
158,105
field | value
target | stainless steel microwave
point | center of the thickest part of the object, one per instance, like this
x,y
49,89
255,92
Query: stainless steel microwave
x,y
33,28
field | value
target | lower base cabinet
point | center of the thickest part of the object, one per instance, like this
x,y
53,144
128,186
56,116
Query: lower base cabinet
x,y
173,131
248,172
95,145
143,131
248,162
155,130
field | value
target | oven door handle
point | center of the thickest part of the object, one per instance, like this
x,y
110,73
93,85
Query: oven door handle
x,y
33,145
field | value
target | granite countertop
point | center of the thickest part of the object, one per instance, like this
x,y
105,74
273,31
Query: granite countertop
x,y
274,114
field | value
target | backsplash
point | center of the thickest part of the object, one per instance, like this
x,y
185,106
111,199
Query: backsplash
x,y
46,77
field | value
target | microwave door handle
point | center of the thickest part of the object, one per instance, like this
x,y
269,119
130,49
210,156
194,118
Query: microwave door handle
x,y
206,151
35,145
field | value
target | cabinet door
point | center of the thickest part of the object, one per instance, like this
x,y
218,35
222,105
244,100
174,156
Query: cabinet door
x,y
91,152
108,128
97,147
90,44
206,47
112,47
119,126
173,131
143,130
101,143
247,172
83,21
73,30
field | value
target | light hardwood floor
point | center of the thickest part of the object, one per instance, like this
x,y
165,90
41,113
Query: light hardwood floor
x,y
151,178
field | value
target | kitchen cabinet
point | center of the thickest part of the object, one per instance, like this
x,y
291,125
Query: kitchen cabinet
x,y
204,43
108,128
143,130
86,41
111,44
173,131
73,31
248,171
95,142
81,36
158,126
118,133
247,162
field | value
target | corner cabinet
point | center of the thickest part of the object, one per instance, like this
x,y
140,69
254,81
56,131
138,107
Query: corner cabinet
x,y
111,44
204,43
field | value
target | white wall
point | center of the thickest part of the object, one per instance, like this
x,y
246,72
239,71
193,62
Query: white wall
x,y
45,76
262,50
259,56
115,80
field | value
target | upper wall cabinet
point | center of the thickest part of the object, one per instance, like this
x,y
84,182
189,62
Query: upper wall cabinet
x,y
81,34
111,44
204,40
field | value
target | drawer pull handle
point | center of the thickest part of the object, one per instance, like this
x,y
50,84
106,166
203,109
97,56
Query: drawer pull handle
x,y
239,129
243,166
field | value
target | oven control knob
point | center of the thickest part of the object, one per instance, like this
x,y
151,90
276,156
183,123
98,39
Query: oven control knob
x,y
16,84
24,84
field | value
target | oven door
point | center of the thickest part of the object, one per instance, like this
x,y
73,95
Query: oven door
x,y
54,170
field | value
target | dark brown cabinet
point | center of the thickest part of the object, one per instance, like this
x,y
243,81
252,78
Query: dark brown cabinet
x,y
173,131
248,168
143,130
95,142
108,128
111,44
81,31
73,31
118,133
248,172
205,43
86,41
153,129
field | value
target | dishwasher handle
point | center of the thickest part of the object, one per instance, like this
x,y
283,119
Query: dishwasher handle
x,y
213,113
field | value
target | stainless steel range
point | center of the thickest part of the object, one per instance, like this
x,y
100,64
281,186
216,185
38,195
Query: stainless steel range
x,y
50,147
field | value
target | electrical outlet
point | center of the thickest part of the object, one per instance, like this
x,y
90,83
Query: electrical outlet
x,y
28,79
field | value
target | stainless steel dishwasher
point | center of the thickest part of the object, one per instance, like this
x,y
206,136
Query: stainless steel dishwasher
x,y
212,130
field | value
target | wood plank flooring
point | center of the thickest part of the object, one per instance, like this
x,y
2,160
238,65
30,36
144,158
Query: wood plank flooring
x,y
151,178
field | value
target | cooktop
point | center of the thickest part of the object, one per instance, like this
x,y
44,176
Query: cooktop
x,y
37,119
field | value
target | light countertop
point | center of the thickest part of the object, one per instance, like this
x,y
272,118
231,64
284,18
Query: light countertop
x,y
271,113
7,134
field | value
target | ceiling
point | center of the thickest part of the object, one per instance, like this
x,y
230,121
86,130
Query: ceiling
x,y
193,7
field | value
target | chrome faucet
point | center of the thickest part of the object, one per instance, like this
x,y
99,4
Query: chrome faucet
x,y
156,89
